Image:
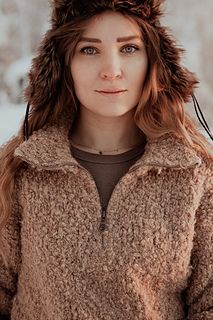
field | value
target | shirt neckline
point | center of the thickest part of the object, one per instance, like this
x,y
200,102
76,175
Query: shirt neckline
x,y
109,159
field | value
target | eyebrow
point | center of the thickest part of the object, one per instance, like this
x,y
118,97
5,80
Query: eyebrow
x,y
122,39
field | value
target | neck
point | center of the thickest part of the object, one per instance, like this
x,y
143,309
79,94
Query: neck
x,y
106,133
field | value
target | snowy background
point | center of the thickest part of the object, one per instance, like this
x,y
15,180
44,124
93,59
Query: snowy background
x,y
23,23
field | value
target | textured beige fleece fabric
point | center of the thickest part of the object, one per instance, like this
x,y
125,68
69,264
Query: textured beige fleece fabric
x,y
157,263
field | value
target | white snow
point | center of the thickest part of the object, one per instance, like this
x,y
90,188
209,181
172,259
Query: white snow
x,y
11,117
17,70
15,77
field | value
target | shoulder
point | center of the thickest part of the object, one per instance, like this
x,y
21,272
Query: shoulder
x,y
206,164
205,171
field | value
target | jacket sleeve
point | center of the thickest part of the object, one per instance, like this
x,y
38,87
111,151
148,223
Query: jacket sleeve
x,y
199,293
9,274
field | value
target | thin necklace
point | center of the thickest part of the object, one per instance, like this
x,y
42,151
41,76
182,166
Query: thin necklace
x,y
103,151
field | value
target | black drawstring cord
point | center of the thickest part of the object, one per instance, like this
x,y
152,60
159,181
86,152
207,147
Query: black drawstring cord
x,y
202,121
26,129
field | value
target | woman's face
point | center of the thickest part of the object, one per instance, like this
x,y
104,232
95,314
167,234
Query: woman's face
x,y
110,57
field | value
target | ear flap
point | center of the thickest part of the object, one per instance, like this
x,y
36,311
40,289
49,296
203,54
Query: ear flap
x,y
179,80
45,74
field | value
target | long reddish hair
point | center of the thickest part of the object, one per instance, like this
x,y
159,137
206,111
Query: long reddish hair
x,y
167,87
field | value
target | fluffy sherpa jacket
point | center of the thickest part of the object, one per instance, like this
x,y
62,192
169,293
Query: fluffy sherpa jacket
x,y
157,262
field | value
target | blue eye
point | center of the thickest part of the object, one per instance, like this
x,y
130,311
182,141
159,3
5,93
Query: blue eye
x,y
91,50
87,50
131,49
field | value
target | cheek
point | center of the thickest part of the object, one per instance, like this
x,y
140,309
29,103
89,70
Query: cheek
x,y
139,75
81,71
136,70
83,78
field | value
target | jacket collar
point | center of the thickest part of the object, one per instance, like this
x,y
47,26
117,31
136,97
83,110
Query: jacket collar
x,y
49,149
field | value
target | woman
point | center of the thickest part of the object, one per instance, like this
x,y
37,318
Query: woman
x,y
106,194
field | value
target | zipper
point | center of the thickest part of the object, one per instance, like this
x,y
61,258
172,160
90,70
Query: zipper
x,y
103,226
103,219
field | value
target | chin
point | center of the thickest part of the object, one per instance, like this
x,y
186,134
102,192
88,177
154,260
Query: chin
x,y
111,114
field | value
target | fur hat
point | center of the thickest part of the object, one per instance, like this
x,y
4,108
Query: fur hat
x,y
45,76
64,11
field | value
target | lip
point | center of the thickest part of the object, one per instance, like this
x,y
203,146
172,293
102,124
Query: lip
x,y
111,92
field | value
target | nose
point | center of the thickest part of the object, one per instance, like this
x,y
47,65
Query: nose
x,y
111,68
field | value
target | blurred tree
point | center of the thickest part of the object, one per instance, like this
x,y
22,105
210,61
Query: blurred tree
x,y
21,25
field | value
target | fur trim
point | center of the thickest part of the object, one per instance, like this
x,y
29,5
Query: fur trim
x,y
177,80
45,74
64,10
